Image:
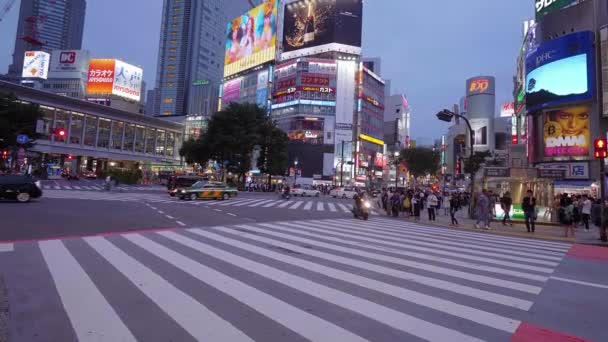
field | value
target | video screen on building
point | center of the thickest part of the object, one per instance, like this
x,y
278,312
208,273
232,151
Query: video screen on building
x,y
251,38
112,76
566,132
312,23
560,71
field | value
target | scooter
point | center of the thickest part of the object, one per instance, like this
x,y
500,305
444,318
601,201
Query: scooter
x,y
363,212
285,196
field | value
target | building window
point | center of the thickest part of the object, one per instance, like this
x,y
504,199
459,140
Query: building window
x,y
172,58
173,41
150,140
139,138
169,84
168,100
167,112
171,75
160,143
76,128
172,50
171,67
90,132
117,130
129,137
62,119
47,121
104,133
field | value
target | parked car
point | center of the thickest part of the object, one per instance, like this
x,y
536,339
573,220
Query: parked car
x,y
207,190
89,175
20,188
343,193
176,183
305,191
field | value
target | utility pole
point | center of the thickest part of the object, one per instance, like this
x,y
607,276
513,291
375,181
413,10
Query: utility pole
x,y
342,164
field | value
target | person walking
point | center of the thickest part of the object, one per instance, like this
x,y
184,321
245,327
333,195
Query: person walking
x,y
604,224
407,205
432,203
454,207
416,203
395,203
586,211
447,204
506,202
567,217
482,209
528,205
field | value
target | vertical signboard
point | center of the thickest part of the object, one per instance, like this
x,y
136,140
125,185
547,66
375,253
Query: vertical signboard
x,y
604,66
36,64
101,76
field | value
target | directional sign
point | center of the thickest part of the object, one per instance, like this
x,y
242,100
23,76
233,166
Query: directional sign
x,y
22,139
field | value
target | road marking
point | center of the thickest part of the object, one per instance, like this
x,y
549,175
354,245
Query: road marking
x,y
161,212
283,205
91,316
393,318
67,187
7,247
259,203
183,309
566,280
77,187
268,205
308,205
332,207
219,210
47,187
57,187
320,206
249,201
309,326
95,188
343,207
151,207
169,217
231,214
181,223
296,205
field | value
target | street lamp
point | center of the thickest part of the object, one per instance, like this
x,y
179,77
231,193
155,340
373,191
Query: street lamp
x,y
396,169
447,116
295,174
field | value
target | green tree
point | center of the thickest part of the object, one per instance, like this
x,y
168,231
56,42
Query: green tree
x,y
231,137
17,118
474,162
421,161
273,159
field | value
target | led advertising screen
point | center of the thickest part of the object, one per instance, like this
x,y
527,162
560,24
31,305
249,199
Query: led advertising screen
x,y
231,91
251,38
111,76
36,64
314,23
566,132
544,7
561,71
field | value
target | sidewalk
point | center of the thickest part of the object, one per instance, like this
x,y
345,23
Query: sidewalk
x,y
544,232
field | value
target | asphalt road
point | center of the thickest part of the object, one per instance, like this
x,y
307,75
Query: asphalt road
x,y
84,265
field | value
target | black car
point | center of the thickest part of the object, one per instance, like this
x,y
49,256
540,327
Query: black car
x,y
20,188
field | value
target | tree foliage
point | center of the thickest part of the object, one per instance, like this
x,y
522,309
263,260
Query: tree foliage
x,y
473,163
233,134
17,118
421,161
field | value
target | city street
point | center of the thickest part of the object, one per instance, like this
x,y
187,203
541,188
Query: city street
x,y
86,265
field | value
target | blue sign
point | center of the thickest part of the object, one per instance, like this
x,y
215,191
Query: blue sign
x,y
22,139
561,71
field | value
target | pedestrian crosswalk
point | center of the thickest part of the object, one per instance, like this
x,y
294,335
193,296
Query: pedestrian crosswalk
x,y
99,187
315,280
312,204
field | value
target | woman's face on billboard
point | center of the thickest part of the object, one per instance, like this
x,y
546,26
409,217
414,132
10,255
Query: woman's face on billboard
x,y
574,121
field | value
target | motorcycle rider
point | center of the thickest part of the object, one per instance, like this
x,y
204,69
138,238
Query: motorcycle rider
x,y
286,192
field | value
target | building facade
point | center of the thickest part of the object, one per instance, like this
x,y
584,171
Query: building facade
x,y
47,25
191,55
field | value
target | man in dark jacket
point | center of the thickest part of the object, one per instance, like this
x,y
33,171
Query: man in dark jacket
x,y
528,205
506,202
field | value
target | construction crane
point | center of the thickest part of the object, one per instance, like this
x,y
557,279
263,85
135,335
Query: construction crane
x,y
6,8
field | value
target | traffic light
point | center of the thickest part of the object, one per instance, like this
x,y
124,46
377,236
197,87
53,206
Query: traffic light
x,y
600,148
4,154
59,132
70,157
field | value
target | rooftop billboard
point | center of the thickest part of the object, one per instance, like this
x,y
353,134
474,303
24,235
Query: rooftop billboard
x,y
69,63
251,38
313,26
561,71
36,64
112,76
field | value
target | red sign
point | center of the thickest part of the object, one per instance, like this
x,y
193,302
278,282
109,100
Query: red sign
x,y
514,139
314,80
286,83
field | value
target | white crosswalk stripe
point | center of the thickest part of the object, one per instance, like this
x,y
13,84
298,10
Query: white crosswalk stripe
x,y
343,207
301,279
332,207
320,206
296,205
272,204
308,205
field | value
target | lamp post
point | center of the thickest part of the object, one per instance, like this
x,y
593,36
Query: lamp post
x,y
396,169
342,161
295,173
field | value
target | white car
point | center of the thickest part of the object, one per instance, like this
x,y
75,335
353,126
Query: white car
x,y
343,193
305,191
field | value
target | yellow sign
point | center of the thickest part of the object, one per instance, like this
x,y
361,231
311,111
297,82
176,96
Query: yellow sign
x,y
371,139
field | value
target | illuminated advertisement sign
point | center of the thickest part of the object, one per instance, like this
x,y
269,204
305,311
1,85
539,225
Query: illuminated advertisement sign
x,y
544,7
69,63
314,80
371,139
111,76
480,85
507,109
232,90
566,132
561,71
36,64
251,38
313,24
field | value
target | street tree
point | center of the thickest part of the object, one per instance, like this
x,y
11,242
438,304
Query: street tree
x,y
17,118
273,159
421,161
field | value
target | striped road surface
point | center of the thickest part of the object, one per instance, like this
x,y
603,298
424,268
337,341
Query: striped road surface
x,y
99,187
317,280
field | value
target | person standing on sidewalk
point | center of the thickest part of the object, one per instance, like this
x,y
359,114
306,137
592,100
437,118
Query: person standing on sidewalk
x,y
586,211
454,207
528,205
432,203
447,203
567,217
506,202
604,224
482,209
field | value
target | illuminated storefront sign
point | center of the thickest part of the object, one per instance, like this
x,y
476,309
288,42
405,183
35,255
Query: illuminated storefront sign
x,y
200,82
304,102
544,7
371,139
479,86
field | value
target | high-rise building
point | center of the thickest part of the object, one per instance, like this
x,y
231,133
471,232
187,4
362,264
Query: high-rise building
x,y
191,54
47,25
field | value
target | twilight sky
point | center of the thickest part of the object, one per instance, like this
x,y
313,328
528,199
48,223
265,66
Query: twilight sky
x,y
428,48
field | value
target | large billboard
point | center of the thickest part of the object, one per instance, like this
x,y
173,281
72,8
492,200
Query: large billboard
x,y
561,71
566,132
481,85
111,76
251,38
36,64
544,7
314,24
69,63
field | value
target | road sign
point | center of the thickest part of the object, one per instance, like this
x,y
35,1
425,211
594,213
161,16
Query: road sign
x,y
22,139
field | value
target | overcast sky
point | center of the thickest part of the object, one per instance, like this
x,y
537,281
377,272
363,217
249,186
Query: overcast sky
x,y
428,48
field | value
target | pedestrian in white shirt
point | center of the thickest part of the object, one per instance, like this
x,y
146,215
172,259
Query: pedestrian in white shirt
x,y
586,211
432,202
